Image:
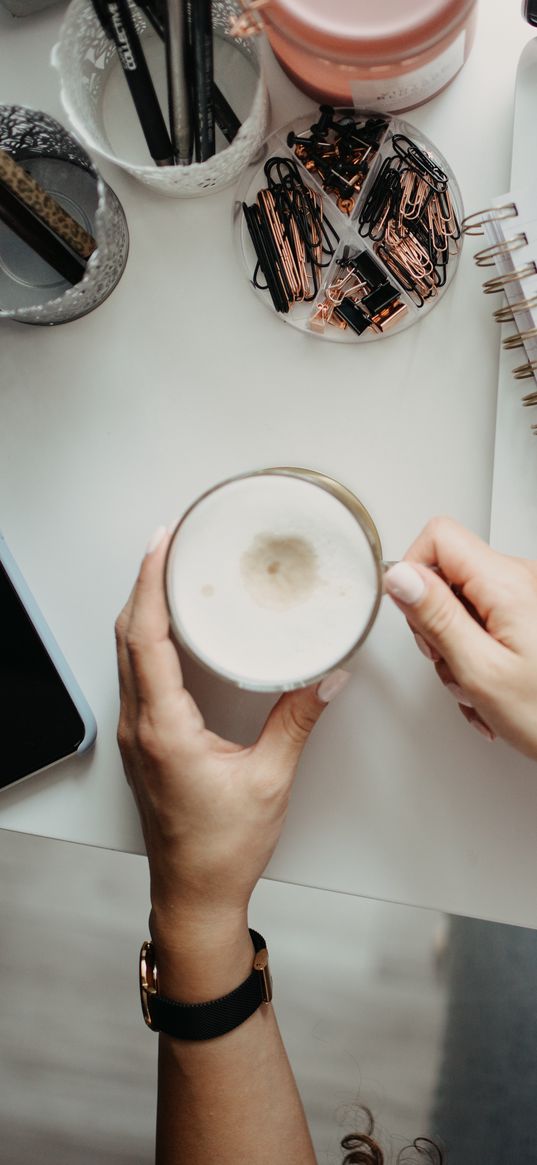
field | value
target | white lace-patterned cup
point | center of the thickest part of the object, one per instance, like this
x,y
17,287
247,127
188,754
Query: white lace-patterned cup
x,y
31,292
98,104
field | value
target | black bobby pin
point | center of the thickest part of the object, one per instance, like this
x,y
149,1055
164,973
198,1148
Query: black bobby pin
x,y
274,285
291,235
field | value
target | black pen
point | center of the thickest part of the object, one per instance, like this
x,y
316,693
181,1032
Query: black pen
x,y
37,235
199,14
116,20
224,116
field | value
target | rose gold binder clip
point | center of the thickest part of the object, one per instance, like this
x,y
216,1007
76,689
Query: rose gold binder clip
x,y
348,285
360,297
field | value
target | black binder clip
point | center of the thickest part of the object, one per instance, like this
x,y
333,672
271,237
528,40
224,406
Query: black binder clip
x,y
348,311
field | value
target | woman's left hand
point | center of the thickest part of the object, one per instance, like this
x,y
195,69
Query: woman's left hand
x,y
211,810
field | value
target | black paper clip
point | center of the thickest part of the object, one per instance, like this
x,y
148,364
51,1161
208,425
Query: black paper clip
x,y
418,161
382,202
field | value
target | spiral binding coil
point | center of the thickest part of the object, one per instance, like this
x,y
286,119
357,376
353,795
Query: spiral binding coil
x,y
506,314
523,372
474,224
486,257
499,282
518,338
490,214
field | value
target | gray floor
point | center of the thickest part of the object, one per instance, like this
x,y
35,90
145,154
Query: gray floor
x,y
359,1001
77,1070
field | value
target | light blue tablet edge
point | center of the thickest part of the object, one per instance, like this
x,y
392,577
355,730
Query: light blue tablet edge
x,y
52,647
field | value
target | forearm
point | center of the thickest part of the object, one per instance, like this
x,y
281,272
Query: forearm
x,y
232,1100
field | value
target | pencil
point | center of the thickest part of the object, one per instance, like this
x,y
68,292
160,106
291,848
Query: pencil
x,y
224,116
178,95
201,45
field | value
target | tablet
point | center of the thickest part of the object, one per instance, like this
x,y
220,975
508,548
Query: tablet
x,y
44,717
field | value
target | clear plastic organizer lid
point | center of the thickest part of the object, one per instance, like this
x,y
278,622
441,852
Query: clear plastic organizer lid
x,y
387,211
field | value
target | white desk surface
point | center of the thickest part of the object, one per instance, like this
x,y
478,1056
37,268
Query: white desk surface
x,y
111,425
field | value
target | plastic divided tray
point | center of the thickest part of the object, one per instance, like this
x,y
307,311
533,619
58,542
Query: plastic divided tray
x,y
305,315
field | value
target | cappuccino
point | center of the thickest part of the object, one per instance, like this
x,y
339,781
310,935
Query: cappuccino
x,y
271,580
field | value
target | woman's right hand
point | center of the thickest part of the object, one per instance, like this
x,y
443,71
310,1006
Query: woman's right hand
x,y
487,660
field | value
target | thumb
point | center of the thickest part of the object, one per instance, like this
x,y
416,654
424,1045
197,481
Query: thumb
x,y
293,717
442,620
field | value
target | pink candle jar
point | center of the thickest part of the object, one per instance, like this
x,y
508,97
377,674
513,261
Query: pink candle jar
x,y
386,54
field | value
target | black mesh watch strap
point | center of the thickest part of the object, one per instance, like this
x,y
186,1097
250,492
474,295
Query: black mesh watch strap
x,y
205,1021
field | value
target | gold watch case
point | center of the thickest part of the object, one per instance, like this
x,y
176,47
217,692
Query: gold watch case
x,y
148,979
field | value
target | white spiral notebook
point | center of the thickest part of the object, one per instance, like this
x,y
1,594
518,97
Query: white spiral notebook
x,y
510,242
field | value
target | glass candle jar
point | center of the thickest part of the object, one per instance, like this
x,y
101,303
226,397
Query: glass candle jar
x,y
390,54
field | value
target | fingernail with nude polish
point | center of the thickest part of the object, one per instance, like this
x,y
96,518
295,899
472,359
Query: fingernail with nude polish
x,y
460,695
155,539
427,651
483,730
332,685
404,583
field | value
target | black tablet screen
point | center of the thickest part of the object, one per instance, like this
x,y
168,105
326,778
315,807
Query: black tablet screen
x,y
39,723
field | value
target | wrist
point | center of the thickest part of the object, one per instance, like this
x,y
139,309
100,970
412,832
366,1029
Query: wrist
x,y
200,959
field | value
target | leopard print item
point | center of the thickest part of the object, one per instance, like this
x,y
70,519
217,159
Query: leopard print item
x,y
29,133
25,187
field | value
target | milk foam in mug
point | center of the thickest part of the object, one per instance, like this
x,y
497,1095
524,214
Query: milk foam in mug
x,y
273,578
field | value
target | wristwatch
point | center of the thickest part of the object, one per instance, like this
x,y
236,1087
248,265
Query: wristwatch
x,y
204,1021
